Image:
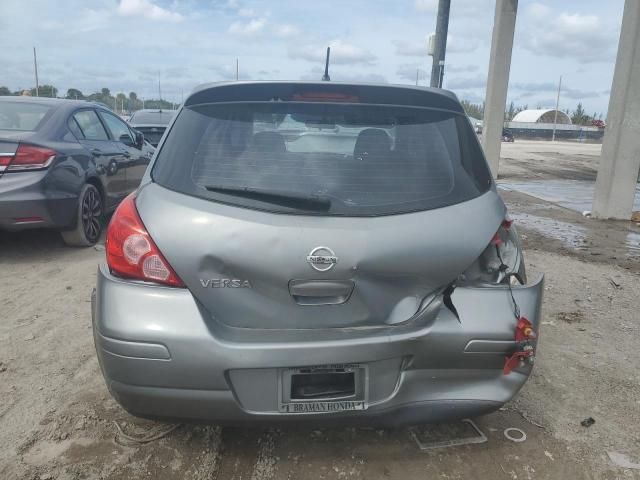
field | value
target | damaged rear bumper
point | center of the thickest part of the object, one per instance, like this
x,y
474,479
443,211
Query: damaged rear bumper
x,y
163,356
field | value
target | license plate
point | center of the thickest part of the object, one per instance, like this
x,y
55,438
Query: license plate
x,y
323,407
343,399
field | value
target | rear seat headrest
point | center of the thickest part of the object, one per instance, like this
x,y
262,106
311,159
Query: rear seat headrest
x,y
270,142
372,141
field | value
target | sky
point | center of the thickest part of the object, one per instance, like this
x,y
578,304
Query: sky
x,y
126,45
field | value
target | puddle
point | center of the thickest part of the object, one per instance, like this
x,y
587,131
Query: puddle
x,y
572,236
573,194
632,243
579,237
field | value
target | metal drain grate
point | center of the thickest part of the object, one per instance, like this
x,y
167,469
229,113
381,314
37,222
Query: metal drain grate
x,y
429,437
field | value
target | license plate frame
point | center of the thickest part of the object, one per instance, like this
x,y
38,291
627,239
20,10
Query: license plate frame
x,y
354,403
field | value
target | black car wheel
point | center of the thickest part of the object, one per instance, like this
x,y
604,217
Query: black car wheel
x,y
89,219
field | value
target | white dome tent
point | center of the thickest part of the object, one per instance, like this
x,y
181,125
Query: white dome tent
x,y
542,116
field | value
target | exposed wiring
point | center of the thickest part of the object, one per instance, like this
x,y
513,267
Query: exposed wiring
x,y
125,439
503,268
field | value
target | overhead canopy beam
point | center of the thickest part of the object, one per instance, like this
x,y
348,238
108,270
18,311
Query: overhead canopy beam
x,y
620,157
504,26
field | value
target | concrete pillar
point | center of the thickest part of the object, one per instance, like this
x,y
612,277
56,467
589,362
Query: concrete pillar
x,y
620,158
504,25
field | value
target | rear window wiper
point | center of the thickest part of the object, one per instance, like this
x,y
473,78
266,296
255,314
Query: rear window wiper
x,y
296,200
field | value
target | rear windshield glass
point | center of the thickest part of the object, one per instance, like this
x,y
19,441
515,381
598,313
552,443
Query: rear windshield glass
x,y
155,118
21,116
355,160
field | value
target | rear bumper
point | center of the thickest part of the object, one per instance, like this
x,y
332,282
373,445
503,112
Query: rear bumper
x,y
25,202
162,356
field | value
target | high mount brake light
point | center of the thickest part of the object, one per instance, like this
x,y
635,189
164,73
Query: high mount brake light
x,y
27,157
325,97
132,253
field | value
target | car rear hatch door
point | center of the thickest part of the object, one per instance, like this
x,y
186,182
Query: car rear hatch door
x,y
252,269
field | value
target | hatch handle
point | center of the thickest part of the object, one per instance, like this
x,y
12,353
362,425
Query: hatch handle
x,y
320,292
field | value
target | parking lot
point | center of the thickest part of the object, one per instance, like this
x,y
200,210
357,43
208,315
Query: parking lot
x,y
57,420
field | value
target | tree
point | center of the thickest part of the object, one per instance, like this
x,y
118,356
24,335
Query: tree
x,y
520,108
134,103
5,91
103,96
474,110
579,117
74,94
120,99
45,91
511,112
158,104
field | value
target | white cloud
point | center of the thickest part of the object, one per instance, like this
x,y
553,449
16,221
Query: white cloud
x,y
101,38
91,20
569,35
411,49
247,12
286,30
532,89
459,44
342,53
461,83
538,11
147,9
429,6
408,71
459,8
462,68
251,27
419,48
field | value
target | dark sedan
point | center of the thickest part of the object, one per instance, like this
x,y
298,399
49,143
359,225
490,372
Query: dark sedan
x,y
152,123
64,164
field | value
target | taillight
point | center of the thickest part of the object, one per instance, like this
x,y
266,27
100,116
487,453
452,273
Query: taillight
x,y
5,159
28,157
131,252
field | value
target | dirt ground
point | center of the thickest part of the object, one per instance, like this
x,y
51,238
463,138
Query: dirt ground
x,y
57,420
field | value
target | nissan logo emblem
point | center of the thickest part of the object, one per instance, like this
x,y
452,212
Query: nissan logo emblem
x,y
322,259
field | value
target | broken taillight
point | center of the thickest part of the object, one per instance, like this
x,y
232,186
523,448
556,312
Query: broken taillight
x,y
501,261
132,253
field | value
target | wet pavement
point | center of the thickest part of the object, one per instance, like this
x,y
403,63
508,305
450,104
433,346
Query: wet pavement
x,y
556,228
574,194
575,236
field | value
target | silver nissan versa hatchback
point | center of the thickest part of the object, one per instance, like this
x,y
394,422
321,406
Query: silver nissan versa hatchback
x,y
326,251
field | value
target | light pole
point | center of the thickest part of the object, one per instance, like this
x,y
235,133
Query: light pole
x,y
555,115
442,28
35,67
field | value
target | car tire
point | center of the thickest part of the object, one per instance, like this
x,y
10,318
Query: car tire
x,y
88,219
